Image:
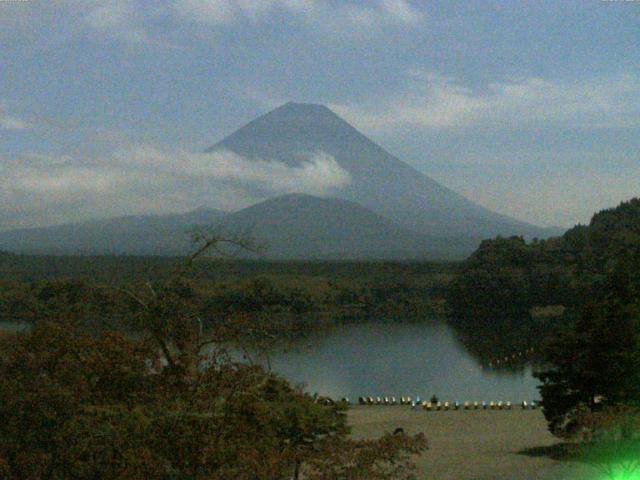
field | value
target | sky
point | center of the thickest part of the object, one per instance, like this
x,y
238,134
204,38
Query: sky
x,y
530,108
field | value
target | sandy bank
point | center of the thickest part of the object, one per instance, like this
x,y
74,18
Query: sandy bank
x,y
474,445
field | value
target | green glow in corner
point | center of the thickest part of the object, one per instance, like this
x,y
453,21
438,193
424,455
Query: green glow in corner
x,y
635,475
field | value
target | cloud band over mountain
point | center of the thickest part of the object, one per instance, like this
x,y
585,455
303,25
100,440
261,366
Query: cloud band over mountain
x,y
43,189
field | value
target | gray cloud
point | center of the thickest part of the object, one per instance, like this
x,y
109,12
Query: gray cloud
x,y
134,23
317,12
118,19
432,101
42,189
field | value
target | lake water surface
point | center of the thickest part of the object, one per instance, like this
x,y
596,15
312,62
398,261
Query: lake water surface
x,y
393,359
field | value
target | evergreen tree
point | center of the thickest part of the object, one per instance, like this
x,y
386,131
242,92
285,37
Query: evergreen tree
x,y
596,360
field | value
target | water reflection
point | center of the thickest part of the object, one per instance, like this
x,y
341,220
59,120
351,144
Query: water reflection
x,y
398,359
394,359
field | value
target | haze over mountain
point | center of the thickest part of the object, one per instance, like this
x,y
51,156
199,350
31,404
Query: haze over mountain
x,y
379,181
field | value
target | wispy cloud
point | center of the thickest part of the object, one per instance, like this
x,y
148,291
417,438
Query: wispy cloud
x,y
39,23
317,174
42,189
119,19
433,101
319,13
140,22
8,122
219,12
402,10
366,18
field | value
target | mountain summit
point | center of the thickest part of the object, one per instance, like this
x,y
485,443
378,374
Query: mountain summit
x,y
379,181
288,131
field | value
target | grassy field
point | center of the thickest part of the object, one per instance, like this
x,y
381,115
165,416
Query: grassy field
x,y
475,445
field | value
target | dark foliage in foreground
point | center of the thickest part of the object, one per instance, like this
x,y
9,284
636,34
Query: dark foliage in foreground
x,y
167,401
591,390
589,280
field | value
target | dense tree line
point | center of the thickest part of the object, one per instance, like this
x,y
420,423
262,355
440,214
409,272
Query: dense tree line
x,y
293,301
590,385
507,277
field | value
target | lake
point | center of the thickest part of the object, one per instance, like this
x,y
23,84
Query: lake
x,y
394,359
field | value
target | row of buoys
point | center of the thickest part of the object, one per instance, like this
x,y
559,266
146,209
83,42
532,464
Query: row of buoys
x,y
388,400
384,401
431,406
510,358
500,405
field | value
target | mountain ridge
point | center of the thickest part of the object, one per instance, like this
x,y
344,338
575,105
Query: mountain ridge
x,y
380,181
163,234
299,226
291,226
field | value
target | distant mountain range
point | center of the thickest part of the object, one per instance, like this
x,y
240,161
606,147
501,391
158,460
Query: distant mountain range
x,y
293,226
388,210
134,235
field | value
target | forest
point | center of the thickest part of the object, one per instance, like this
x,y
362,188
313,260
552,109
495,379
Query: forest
x,y
509,281
142,390
114,357
587,284
298,295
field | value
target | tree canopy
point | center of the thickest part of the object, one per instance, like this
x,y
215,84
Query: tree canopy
x,y
165,399
505,278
